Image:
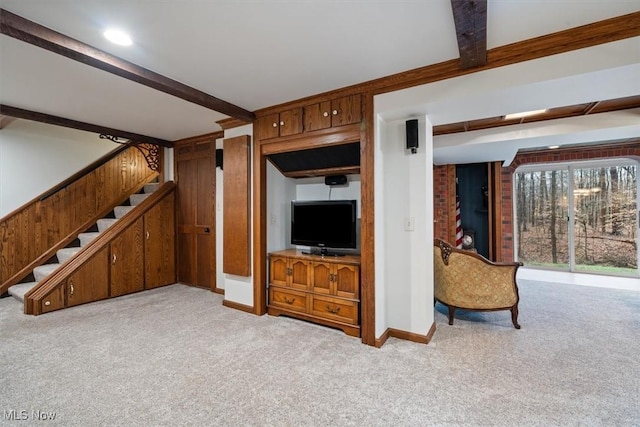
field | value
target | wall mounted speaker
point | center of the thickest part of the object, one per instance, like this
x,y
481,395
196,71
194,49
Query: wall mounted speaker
x,y
219,158
412,135
335,180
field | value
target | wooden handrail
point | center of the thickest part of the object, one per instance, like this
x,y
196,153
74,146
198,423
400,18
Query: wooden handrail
x,y
82,172
54,280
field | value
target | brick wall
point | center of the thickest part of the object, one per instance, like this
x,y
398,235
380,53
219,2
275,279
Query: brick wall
x,y
444,188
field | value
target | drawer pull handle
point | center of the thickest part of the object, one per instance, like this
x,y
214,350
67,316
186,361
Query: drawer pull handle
x,y
71,289
333,310
114,259
325,114
289,301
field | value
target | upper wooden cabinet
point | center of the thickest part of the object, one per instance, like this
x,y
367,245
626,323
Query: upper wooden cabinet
x,y
337,112
322,115
285,123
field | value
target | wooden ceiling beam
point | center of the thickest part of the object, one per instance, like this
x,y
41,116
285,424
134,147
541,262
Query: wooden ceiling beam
x,y
470,17
30,32
19,113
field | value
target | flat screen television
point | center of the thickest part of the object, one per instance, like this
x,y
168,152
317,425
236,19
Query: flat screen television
x,y
324,224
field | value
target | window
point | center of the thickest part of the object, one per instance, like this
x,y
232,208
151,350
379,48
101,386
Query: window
x,y
579,217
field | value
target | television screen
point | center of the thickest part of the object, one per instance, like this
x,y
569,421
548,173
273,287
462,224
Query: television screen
x,y
324,223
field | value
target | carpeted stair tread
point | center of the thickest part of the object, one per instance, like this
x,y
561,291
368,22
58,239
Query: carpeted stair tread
x,y
43,271
18,291
105,223
85,238
121,211
151,187
136,199
66,253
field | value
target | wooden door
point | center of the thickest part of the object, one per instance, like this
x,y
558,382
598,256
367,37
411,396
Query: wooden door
x,y
321,278
127,261
317,116
90,282
159,244
195,178
299,274
279,271
347,281
346,111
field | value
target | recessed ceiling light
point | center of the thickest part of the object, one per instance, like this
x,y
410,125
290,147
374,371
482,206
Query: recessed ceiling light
x,y
118,37
524,114
553,147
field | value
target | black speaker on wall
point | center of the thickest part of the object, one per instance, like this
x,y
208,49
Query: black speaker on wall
x,y
219,158
412,135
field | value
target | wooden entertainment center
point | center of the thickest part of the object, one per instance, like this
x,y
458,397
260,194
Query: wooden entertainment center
x,y
320,289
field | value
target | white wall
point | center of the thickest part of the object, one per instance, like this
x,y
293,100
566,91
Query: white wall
x,y
238,289
280,191
316,189
404,229
35,156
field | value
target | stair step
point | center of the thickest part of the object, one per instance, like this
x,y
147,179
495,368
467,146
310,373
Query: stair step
x,y
44,270
85,238
105,223
121,211
151,187
66,253
136,199
18,291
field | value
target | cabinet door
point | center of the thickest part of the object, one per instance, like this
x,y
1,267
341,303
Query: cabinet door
x,y
268,126
346,111
127,268
317,116
347,280
278,271
159,244
321,278
90,282
299,274
291,122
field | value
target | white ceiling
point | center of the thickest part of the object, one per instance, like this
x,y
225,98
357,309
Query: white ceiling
x,y
250,53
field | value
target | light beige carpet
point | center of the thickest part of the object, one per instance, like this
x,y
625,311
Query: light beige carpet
x,y
176,356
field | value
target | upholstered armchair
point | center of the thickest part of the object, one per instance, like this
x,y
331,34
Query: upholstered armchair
x,y
464,279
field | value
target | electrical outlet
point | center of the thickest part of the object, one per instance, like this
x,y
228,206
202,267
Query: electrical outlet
x,y
273,219
408,223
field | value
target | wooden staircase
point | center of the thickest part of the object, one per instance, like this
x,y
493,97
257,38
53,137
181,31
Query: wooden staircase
x,y
63,255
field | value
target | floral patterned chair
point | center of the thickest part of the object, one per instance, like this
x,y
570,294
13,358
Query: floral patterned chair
x,y
464,279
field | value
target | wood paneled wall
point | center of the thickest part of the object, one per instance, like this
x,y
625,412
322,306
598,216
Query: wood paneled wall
x,y
237,206
28,234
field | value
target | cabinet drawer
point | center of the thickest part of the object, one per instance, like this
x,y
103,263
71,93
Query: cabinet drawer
x,y
335,309
288,299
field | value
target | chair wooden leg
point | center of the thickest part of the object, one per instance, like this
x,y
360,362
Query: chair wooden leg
x,y
452,311
514,316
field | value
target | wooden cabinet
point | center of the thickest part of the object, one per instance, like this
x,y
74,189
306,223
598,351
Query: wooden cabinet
x,y
324,290
337,112
159,244
322,115
91,282
127,261
289,272
285,123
